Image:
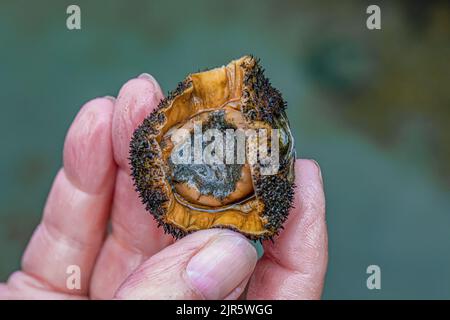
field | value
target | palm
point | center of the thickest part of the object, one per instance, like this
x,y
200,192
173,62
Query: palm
x,y
94,188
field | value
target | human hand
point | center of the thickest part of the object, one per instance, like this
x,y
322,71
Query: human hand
x,y
133,259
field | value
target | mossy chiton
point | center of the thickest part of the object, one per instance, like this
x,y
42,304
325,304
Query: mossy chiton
x,y
217,153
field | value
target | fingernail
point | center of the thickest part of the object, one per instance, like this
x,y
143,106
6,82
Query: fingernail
x,y
258,247
110,98
147,76
221,266
318,168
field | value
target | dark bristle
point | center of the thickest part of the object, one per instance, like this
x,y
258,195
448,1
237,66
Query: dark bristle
x,y
264,102
260,102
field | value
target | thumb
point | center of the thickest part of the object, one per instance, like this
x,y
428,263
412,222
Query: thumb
x,y
208,264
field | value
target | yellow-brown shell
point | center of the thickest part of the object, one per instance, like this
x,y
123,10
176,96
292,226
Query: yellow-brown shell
x,y
242,89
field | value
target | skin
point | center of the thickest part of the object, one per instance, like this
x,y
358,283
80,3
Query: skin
x,y
93,218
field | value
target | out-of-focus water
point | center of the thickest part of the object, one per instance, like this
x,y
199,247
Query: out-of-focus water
x,y
372,107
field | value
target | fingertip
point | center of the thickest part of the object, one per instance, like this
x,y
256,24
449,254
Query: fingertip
x,y
309,200
144,83
99,103
137,98
208,264
110,98
147,76
258,247
308,168
220,266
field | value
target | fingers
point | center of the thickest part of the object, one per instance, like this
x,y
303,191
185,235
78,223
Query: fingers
x,y
209,264
74,222
294,266
22,286
135,235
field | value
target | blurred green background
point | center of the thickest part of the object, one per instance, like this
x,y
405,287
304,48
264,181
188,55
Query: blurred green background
x,y
372,107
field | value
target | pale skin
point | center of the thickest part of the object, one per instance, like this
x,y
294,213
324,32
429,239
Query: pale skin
x,y
94,219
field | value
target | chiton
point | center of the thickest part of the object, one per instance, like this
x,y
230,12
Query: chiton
x,y
201,159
